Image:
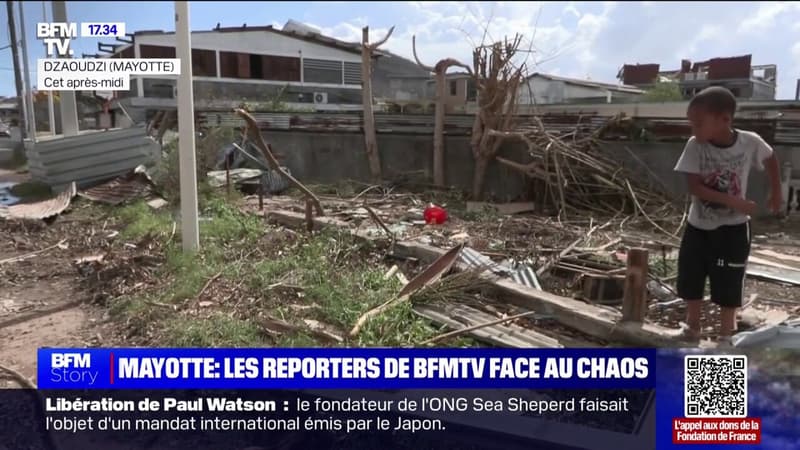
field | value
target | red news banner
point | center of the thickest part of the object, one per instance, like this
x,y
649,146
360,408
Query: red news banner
x,y
716,431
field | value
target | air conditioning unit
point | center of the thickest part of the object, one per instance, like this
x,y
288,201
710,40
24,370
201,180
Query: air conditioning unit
x,y
320,97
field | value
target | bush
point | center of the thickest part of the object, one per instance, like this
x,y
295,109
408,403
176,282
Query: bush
x,y
167,174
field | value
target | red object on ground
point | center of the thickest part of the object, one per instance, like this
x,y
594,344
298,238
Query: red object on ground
x,y
435,215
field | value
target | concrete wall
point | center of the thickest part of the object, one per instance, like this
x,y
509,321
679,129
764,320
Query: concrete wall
x,y
332,157
660,159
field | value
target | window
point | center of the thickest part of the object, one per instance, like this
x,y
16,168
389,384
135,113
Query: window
x,y
472,90
453,88
322,71
234,65
280,68
156,51
204,63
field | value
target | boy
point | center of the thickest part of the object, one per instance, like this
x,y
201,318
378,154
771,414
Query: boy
x,y
716,243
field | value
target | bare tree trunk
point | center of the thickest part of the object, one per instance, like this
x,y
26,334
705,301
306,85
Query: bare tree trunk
x,y
481,164
370,140
440,71
438,131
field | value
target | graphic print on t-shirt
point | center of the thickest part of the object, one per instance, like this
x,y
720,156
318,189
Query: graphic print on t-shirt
x,y
726,181
723,173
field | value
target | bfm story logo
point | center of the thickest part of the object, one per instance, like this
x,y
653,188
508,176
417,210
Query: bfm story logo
x,y
72,368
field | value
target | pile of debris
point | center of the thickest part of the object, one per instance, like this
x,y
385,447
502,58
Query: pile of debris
x,y
579,179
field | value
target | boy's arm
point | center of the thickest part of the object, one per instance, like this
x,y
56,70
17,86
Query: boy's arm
x,y
701,191
765,158
776,191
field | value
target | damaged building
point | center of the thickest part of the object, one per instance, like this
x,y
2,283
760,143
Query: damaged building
x,y
295,67
746,81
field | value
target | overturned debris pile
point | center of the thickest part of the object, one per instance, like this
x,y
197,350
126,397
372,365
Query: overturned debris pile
x,y
579,178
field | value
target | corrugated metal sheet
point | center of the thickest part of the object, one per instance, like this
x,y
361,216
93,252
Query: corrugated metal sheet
x,y
40,210
90,157
136,184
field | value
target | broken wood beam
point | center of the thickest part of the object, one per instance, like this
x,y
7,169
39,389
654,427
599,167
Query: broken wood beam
x,y
592,320
634,302
252,127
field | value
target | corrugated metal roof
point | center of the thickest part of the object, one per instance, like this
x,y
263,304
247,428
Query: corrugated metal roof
x,y
589,83
136,184
40,210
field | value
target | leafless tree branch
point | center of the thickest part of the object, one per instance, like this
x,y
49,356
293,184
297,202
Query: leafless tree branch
x,y
375,45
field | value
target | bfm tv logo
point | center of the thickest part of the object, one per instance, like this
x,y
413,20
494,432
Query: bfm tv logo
x,y
72,368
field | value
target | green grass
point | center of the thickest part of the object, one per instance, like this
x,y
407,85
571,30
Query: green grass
x,y
331,269
218,330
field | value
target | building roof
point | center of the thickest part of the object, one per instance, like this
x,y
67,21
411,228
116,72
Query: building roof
x,y
589,83
308,36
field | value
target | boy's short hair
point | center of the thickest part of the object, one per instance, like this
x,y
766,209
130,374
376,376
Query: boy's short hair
x,y
716,100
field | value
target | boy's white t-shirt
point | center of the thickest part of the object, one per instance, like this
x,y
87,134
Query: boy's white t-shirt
x,y
723,170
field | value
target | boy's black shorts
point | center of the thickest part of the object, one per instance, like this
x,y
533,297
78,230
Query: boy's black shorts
x,y
721,255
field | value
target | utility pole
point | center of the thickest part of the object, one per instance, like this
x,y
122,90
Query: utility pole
x,y
188,167
12,29
27,74
68,104
51,112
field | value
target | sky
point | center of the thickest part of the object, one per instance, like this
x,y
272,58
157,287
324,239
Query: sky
x,y
587,40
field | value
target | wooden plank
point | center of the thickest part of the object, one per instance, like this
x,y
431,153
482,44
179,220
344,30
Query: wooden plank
x,y
773,274
766,262
592,320
634,302
776,255
504,335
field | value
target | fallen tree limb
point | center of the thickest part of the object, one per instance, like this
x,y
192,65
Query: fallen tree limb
x,y
18,377
564,252
461,331
27,384
31,254
208,283
255,135
430,275
376,311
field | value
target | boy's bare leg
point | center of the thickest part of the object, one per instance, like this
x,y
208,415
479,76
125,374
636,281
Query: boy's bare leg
x,y
727,318
693,310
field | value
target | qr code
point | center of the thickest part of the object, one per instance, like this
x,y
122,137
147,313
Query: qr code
x,y
715,386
